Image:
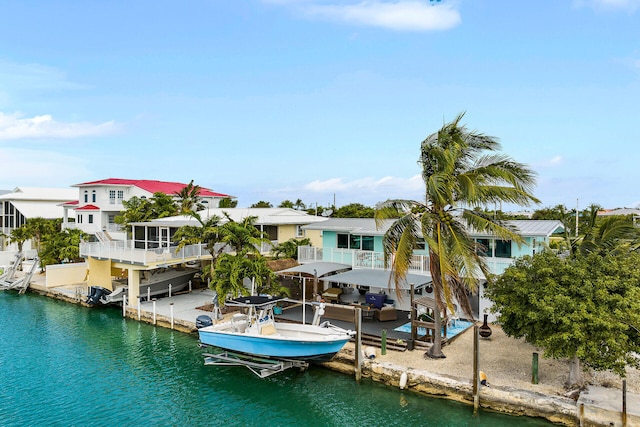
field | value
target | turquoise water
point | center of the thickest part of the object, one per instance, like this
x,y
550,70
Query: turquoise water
x,y
65,365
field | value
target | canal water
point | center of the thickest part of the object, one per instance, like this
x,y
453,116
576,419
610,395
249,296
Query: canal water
x,y
66,365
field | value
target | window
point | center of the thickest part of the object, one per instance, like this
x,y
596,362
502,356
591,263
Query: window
x,y
111,218
503,249
299,231
93,196
120,195
367,243
79,219
90,219
355,241
112,197
86,196
343,241
484,247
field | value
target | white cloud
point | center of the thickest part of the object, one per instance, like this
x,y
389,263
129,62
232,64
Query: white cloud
x,y
395,15
550,163
14,127
627,5
368,191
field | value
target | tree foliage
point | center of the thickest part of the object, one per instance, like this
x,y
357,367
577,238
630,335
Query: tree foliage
x,y
461,171
261,204
62,246
354,210
138,209
189,199
289,249
586,307
227,202
229,273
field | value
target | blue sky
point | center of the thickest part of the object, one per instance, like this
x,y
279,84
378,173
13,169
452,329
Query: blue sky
x,y
316,99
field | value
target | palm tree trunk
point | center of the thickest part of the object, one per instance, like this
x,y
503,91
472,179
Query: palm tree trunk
x,y
435,352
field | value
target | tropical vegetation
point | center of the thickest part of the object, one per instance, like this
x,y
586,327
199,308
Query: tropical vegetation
x,y
461,170
585,308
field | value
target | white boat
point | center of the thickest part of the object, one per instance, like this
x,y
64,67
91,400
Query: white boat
x,y
152,283
256,333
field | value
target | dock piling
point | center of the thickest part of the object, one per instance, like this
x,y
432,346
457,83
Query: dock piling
x,y
358,352
383,342
138,308
171,310
169,290
154,311
124,306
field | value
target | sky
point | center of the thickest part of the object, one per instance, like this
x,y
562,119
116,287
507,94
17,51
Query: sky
x,y
326,101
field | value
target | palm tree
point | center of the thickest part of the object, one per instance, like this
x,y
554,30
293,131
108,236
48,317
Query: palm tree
x,y
460,171
189,199
610,235
19,236
243,237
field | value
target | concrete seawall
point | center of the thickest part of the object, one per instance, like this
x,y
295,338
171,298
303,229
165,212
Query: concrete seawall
x,y
595,407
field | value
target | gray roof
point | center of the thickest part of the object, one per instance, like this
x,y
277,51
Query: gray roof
x,y
265,216
351,225
378,279
319,268
367,226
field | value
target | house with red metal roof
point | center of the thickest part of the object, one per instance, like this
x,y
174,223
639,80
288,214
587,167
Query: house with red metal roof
x,y
99,202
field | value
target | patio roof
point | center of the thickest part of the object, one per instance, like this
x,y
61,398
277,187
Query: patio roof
x,y
378,279
321,268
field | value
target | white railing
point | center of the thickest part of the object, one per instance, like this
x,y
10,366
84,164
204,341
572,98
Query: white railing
x,y
375,260
123,251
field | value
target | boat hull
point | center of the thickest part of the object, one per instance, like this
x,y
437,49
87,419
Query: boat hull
x,y
300,342
156,285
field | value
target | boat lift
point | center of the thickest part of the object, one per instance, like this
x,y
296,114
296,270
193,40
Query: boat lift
x,y
7,279
260,366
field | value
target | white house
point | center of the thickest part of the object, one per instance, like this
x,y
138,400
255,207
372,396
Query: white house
x,y
30,202
95,204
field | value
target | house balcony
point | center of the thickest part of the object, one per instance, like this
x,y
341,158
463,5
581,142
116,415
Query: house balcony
x,y
375,260
124,252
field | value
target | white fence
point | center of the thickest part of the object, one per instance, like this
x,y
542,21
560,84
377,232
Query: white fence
x,y
375,260
123,251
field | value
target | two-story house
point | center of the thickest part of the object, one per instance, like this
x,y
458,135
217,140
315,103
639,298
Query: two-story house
x,y
23,203
152,244
357,242
99,202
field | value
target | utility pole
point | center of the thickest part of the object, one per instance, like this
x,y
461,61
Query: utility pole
x,y
577,212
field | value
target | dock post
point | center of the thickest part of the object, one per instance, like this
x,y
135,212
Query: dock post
x,y
358,352
534,368
169,290
138,308
189,285
124,305
171,308
154,311
149,293
383,342
476,379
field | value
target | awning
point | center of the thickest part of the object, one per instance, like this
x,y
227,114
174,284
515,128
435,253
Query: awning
x,y
33,209
319,268
378,279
